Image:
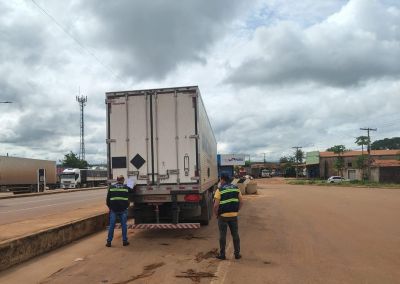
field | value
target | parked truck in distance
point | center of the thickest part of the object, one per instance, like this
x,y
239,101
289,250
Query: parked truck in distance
x,y
77,178
21,175
265,173
162,138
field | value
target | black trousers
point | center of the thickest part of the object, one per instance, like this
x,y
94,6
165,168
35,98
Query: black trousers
x,y
223,224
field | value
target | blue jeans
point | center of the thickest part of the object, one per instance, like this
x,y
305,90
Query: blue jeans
x,y
123,216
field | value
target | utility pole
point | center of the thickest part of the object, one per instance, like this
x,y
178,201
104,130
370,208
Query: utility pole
x,y
82,103
297,160
264,159
369,150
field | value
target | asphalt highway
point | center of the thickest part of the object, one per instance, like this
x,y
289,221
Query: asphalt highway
x,y
18,209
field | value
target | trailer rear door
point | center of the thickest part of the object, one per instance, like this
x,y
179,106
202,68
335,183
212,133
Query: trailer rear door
x,y
153,136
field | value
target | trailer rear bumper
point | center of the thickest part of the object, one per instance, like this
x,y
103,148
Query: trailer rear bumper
x,y
162,226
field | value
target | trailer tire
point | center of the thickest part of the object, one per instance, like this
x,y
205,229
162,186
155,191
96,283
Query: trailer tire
x,y
206,210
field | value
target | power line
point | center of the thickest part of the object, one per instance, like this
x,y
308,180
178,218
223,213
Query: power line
x,y
76,40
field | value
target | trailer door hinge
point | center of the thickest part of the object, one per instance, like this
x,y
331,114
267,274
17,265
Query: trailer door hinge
x,y
108,141
194,136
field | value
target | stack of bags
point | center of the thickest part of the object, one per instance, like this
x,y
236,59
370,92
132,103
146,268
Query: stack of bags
x,y
246,185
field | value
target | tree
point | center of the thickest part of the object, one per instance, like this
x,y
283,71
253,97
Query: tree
x,y
299,156
339,162
337,148
286,159
361,163
386,144
361,141
287,164
72,161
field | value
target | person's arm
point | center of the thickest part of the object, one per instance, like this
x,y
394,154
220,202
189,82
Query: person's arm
x,y
216,207
217,198
240,201
108,198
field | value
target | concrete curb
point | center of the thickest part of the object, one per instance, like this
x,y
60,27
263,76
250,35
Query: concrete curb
x,y
51,192
20,249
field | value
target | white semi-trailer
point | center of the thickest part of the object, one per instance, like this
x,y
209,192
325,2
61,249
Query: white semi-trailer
x,y
26,175
77,178
162,138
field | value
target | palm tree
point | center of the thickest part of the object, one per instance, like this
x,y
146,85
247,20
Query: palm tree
x,y
361,141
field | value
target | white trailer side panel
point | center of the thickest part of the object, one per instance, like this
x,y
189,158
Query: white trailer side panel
x,y
23,171
208,149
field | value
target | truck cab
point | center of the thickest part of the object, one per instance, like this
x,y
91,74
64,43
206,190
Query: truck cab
x,y
70,178
265,173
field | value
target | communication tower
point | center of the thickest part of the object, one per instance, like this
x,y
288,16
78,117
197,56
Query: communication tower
x,y
82,103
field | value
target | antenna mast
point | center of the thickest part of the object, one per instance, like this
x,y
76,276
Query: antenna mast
x,y
82,103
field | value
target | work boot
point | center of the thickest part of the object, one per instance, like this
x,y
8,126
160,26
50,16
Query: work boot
x,y
238,256
221,256
108,244
125,243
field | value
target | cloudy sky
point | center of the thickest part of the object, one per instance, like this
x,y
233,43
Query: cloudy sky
x,y
273,74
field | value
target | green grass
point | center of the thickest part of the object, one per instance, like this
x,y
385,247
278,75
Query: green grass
x,y
353,183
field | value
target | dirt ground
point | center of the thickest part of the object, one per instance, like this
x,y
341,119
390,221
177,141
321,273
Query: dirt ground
x,y
289,234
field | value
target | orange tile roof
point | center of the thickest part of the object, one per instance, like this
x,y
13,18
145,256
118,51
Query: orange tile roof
x,y
386,163
358,153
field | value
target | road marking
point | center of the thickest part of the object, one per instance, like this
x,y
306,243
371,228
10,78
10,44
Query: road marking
x,y
223,266
48,205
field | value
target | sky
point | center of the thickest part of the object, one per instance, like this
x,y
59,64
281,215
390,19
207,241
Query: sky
x,y
273,74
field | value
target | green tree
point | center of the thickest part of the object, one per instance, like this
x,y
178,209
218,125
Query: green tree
x,y
386,144
299,156
286,159
361,163
362,141
337,148
71,160
339,162
287,165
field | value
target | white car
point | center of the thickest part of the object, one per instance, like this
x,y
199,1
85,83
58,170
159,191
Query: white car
x,y
335,179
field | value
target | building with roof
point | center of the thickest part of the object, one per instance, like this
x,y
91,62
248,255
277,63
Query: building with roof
x,y
385,165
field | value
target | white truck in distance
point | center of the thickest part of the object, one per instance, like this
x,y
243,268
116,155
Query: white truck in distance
x,y
162,138
76,178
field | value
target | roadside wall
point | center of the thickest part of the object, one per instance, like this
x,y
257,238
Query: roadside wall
x,y
21,249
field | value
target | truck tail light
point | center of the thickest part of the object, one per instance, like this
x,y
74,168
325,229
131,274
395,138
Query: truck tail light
x,y
192,197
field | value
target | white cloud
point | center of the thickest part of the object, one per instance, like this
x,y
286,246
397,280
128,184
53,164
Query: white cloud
x,y
273,74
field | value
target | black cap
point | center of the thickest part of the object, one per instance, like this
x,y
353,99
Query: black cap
x,y
225,177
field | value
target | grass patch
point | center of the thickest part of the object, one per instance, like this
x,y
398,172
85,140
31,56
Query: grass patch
x,y
352,183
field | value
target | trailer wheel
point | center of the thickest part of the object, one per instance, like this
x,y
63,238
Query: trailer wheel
x,y
206,210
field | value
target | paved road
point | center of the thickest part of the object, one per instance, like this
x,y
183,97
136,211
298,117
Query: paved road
x,y
289,234
17,209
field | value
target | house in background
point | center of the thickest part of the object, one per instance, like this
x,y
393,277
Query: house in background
x,y
385,165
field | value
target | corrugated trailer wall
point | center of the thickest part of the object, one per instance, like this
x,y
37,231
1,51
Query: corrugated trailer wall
x,y
15,170
208,149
